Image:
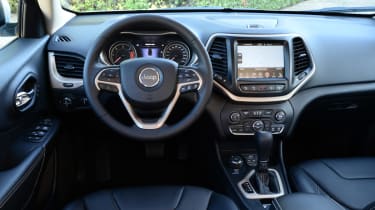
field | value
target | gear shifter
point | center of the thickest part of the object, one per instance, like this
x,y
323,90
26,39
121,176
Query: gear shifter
x,y
264,141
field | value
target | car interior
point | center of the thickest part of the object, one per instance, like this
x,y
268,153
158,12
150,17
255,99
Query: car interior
x,y
186,108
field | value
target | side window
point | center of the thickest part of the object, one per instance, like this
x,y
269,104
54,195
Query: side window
x,y
8,21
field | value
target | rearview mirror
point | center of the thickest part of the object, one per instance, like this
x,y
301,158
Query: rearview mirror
x,y
4,12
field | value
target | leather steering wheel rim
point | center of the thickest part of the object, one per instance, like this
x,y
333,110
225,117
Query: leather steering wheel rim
x,y
204,68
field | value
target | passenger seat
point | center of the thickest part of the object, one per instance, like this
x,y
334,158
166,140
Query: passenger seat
x,y
348,181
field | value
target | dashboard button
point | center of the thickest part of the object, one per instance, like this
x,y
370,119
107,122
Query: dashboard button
x,y
245,113
235,117
279,87
236,129
267,113
277,128
245,87
258,125
256,113
68,85
280,116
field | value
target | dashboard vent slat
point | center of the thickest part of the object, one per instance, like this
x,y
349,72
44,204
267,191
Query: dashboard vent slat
x,y
69,66
301,56
218,56
62,38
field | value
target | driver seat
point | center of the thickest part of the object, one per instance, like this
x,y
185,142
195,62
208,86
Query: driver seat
x,y
154,198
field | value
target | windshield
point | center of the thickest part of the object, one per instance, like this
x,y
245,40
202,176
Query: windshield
x,y
350,6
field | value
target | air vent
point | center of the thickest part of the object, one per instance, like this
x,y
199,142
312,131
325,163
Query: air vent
x,y
62,38
69,66
301,56
218,55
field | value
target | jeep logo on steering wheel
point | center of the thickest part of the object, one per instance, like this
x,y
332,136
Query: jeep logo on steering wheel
x,y
149,77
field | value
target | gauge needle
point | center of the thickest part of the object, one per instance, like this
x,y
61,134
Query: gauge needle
x,y
117,60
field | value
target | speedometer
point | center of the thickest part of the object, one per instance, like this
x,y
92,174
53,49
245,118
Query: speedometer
x,y
178,52
121,51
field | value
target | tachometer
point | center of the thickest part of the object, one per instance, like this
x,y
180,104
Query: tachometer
x,y
121,51
178,52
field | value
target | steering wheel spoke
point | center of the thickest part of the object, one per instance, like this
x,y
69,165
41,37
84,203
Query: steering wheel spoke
x,y
156,123
108,79
189,80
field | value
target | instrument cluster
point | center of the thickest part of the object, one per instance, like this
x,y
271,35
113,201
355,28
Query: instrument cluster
x,y
141,45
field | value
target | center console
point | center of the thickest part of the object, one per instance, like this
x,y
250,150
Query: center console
x,y
259,74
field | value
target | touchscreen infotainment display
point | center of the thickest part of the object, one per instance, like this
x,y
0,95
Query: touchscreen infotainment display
x,y
260,60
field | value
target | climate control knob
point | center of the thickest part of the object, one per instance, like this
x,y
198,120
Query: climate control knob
x,y
235,117
258,125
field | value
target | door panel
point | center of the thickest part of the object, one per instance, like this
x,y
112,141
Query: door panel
x,y
18,60
26,128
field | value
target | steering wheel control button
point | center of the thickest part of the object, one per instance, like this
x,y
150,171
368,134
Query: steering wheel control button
x,y
110,75
189,88
107,87
280,116
187,75
258,125
150,77
235,117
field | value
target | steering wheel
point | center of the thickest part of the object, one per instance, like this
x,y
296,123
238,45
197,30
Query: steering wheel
x,y
149,84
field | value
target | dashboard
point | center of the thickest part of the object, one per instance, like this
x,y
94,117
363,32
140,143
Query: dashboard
x,y
267,67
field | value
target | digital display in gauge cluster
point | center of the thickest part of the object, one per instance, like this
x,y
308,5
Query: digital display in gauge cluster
x,y
149,46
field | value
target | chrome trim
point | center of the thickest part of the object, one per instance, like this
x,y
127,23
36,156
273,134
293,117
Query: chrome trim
x,y
57,80
133,115
263,99
255,195
103,58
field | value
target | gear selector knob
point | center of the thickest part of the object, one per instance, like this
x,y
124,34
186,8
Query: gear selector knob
x,y
264,141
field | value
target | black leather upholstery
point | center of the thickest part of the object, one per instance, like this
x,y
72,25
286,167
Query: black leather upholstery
x,y
349,181
305,201
154,198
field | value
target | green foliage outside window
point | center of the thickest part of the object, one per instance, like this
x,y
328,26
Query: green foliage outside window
x,y
107,5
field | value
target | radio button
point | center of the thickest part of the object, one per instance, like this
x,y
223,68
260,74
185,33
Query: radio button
x,y
279,87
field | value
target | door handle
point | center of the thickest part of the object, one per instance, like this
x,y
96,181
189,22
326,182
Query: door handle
x,y
23,98
26,94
